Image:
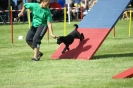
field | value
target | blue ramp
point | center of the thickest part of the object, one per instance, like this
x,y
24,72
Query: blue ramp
x,y
104,14
95,26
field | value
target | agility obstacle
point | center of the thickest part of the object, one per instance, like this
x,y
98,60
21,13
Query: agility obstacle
x,y
125,74
95,26
130,22
11,23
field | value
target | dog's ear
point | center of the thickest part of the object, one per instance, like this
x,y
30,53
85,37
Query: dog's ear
x,y
75,25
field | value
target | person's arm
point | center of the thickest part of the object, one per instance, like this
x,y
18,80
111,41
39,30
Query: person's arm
x,y
49,19
26,6
84,4
50,29
22,12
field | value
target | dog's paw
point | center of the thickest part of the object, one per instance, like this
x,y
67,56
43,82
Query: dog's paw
x,y
62,52
68,49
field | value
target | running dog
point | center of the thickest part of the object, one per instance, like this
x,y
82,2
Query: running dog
x,y
67,40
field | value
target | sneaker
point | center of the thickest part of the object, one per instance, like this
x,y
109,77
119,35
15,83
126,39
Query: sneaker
x,y
38,58
40,55
34,59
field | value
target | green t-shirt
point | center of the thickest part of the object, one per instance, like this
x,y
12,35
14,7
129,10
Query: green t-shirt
x,y
40,15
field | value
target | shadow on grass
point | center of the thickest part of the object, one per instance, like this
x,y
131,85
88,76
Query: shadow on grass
x,y
108,56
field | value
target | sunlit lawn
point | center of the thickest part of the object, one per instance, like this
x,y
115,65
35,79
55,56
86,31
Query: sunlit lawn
x,y
18,71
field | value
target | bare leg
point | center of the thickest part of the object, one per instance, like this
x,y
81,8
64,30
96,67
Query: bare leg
x,y
36,52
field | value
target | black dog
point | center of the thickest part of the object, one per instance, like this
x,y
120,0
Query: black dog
x,y
67,40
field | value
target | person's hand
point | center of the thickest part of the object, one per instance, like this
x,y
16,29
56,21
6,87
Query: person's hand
x,y
54,36
20,14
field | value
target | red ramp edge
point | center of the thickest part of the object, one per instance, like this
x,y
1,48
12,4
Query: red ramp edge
x,y
86,48
125,74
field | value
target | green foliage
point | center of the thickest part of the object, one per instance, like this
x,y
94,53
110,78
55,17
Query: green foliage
x,y
18,71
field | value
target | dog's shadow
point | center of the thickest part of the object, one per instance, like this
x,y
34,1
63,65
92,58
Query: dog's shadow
x,y
75,52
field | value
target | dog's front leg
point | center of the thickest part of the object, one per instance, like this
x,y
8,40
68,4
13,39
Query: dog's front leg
x,y
67,48
81,36
64,49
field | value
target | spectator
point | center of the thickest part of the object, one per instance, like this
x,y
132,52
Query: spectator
x,y
61,2
92,3
77,7
125,15
54,1
19,7
72,10
57,12
84,5
15,1
12,3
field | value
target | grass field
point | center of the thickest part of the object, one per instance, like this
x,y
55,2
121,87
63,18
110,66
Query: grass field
x,y
18,71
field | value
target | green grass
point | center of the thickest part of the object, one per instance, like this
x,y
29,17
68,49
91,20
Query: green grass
x,y
17,71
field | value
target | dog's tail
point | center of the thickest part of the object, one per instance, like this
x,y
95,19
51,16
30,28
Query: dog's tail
x,y
76,26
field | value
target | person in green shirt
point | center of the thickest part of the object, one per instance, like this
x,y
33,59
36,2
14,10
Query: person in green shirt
x,y
41,21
